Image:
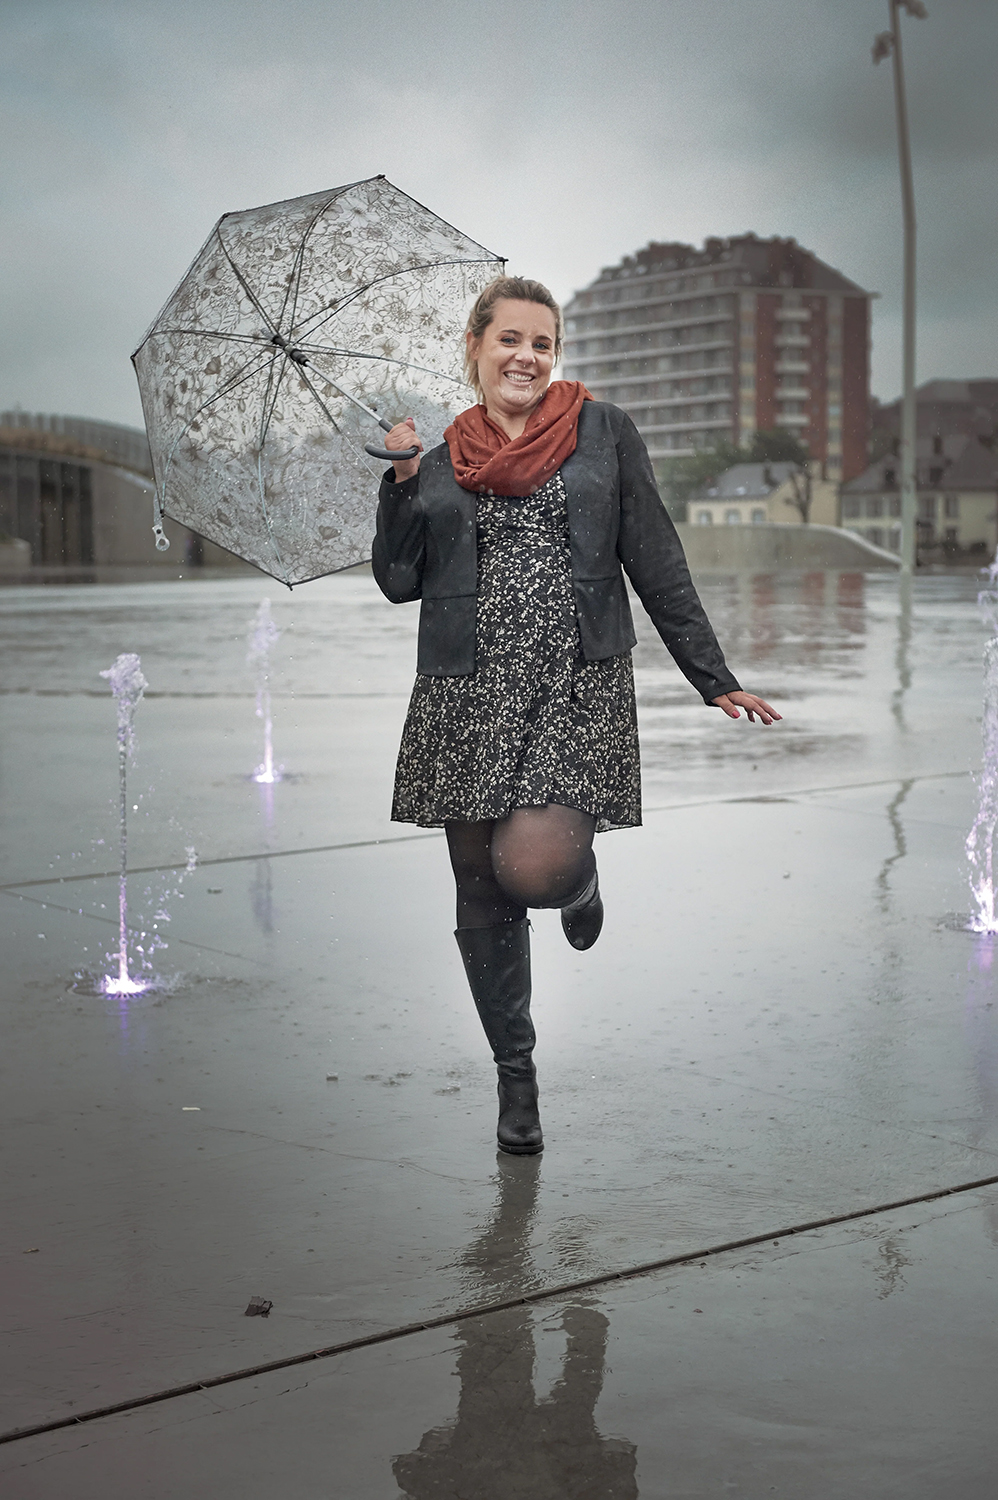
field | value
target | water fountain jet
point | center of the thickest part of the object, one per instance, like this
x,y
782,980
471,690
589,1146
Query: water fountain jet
x,y
127,685
263,636
981,838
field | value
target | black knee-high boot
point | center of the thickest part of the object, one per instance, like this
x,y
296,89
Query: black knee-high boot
x,y
497,962
582,916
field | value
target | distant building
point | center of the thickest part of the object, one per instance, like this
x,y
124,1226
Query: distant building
x,y
957,470
763,494
944,409
79,492
957,498
741,336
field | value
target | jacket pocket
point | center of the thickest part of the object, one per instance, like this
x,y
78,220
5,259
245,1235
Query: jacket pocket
x,y
447,636
604,614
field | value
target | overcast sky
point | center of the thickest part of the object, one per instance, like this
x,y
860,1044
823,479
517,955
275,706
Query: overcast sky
x,y
561,135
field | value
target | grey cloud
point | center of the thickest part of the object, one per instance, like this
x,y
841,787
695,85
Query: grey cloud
x,y
563,136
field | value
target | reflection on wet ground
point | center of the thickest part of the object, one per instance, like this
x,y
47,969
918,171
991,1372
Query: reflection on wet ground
x,y
783,1020
505,1439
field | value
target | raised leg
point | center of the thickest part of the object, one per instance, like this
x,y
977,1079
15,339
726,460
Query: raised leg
x,y
543,856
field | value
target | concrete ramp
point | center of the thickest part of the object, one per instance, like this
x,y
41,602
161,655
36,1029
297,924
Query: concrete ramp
x,y
760,548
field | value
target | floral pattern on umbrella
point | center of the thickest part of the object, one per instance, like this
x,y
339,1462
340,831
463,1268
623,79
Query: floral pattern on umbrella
x,y
246,375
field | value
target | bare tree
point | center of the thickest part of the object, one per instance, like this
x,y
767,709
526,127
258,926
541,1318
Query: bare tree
x,y
801,491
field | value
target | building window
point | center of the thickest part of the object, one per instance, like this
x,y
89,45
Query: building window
x,y
952,507
894,539
704,518
850,507
927,507
876,536
758,517
951,536
875,506
732,518
894,508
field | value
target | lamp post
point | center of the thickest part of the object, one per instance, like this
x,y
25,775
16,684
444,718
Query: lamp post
x,y
888,44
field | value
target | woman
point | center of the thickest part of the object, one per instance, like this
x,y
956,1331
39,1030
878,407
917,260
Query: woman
x,y
521,736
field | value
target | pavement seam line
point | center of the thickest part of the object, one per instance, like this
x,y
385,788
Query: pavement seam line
x,y
450,1320
408,838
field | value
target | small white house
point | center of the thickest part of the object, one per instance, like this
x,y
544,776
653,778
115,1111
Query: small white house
x,y
763,494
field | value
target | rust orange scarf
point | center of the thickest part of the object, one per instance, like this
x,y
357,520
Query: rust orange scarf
x,y
488,461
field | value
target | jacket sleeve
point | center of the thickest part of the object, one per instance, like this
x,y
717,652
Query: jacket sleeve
x,y
399,551
653,559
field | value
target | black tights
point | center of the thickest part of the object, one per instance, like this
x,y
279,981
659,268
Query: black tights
x,y
538,856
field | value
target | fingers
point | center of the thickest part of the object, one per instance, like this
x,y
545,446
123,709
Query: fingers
x,y
403,435
765,710
752,705
768,708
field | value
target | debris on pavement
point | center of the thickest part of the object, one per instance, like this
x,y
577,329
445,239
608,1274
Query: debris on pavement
x,y
258,1307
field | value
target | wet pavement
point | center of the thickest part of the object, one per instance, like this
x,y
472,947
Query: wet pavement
x,y
782,1024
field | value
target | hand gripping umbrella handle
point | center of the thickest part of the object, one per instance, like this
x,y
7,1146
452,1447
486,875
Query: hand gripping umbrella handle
x,y
389,454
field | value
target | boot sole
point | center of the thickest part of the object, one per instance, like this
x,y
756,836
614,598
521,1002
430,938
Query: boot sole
x,y
521,1150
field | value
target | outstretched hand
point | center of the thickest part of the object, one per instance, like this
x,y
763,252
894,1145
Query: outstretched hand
x,y
732,702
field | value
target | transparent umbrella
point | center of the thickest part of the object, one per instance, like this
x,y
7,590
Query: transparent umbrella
x,y
297,327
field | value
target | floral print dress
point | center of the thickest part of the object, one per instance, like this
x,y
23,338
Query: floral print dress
x,y
535,722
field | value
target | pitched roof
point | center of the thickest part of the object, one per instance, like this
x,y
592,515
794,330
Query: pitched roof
x,y
973,466
746,482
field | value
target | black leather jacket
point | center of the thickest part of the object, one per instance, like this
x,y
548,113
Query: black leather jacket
x,y
426,548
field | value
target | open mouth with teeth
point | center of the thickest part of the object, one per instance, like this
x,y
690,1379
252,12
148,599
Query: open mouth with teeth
x,y
518,377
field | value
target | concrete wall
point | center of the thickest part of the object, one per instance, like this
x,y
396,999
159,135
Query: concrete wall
x,y
123,526
769,547
75,511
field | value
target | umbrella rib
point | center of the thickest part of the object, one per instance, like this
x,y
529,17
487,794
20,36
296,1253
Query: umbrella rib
x,y
265,418
299,262
382,358
272,385
405,271
319,399
239,275
244,374
214,333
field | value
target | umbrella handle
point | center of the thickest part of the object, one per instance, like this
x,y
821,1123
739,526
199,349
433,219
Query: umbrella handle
x,y
390,454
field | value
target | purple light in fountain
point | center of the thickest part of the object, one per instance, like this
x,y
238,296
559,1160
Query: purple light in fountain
x,y
981,839
263,636
127,685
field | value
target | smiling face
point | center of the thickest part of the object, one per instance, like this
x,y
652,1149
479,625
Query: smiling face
x,y
515,357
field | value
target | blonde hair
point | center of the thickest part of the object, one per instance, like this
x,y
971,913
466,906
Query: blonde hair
x,y
513,289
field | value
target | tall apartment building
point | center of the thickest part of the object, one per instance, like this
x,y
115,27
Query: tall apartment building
x,y
743,335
